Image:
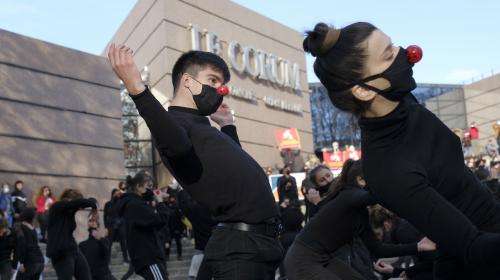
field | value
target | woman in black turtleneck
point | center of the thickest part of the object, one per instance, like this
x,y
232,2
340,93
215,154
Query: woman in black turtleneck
x,y
343,215
412,161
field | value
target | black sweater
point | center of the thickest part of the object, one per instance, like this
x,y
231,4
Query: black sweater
x,y
27,250
97,252
341,218
61,226
414,166
19,201
143,223
208,163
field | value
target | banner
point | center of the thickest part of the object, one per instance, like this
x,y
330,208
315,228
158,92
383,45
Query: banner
x,y
335,159
288,138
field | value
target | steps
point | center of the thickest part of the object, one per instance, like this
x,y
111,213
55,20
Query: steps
x,y
178,270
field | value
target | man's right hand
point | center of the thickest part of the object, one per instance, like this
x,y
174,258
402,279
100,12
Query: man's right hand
x,y
123,64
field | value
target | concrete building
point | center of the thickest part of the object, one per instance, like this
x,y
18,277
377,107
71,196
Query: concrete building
x,y
477,102
61,118
268,67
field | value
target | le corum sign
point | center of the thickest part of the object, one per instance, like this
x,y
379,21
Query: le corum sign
x,y
249,60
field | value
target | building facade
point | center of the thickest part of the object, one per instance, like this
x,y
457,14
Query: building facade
x,y
269,83
61,118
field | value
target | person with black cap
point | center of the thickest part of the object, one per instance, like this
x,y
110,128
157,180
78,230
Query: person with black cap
x,y
67,260
27,252
210,164
96,249
145,215
412,161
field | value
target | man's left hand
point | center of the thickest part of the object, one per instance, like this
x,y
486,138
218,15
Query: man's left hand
x,y
223,116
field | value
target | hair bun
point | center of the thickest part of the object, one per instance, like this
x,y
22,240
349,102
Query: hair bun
x,y
320,40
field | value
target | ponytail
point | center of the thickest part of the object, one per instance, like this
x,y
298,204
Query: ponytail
x,y
351,170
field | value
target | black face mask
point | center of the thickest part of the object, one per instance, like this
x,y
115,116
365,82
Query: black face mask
x,y
208,101
400,76
324,189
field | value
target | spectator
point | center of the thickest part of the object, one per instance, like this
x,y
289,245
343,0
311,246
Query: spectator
x,y
19,201
27,252
43,201
6,204
114,224
62,249
96,250
287,185
7,245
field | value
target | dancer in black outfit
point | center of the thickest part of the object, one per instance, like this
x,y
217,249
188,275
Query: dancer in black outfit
x,y
27,252
210,164
114,224
96,250
62,249
413,163
343,216
143,223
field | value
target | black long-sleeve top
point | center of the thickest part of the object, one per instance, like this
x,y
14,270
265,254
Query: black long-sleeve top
x,y
341,218
210,164
414,166
98,255
27,249
200,218
61,226
7,245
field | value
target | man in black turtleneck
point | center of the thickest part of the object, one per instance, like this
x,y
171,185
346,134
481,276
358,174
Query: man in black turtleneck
x,y
210,164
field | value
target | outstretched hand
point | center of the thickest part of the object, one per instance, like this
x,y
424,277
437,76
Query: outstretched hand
x,y
123,64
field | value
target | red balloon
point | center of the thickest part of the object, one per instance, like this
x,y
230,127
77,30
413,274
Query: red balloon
x,y
414,53
223,90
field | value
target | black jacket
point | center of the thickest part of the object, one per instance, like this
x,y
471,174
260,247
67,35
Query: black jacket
x,y
209,164
175,225
19,201
143,223
7,246
97,253
111,218
61,226
27,249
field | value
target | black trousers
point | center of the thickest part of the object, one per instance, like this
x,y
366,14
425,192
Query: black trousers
x,y
5,270
32,272
204,272
118,234
286,240
178,244
239,255
72,265
154,272
42,221
302,263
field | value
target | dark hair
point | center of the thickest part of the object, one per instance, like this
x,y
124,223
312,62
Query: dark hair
x,y
113,191
120,184
314,171
379,215
132,183
70,194
193,62
28,215
18,182
351,170
339,61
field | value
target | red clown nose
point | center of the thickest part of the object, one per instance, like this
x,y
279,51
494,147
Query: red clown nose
x,y
223,90
414,53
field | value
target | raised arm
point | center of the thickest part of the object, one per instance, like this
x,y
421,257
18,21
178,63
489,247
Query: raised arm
x,y
224,118
171,139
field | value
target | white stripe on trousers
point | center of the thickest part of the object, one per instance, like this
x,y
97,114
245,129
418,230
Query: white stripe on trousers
x,y
153,271
156,272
